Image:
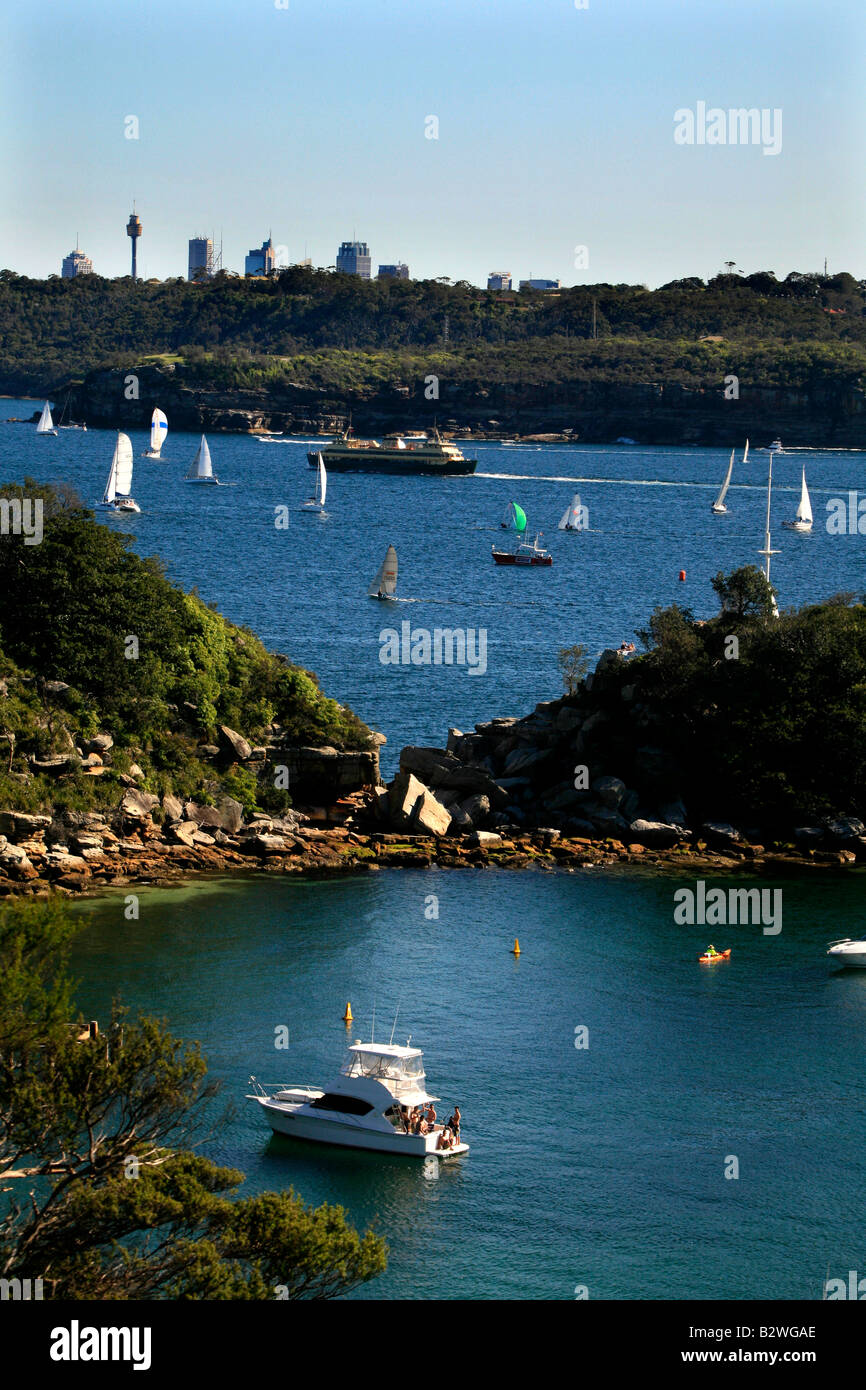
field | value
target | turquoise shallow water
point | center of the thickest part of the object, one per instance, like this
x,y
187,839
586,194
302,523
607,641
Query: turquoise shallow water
x,y
602,1167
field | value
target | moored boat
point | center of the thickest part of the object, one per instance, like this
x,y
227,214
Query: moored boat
x,y
371,1104
529,553
851,954
418,454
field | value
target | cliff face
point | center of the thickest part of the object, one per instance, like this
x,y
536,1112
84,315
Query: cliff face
x,y
592,412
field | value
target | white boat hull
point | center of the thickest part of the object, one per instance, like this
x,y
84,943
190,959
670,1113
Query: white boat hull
x,y
348,1132
850,954
718,511
804,527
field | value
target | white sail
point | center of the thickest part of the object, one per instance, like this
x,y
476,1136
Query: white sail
x,y
723,490
385,582
111,486
122,465
202,466
804,510
321,481
574,516
746,453
46,424
158,431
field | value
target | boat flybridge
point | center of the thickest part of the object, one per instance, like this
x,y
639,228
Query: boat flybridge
x,y
369,1105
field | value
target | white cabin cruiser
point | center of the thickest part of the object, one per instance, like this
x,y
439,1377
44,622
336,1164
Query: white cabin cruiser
x,y
366,1107
851,954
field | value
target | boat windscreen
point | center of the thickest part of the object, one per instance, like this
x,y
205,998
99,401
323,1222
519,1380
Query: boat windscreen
x,y
383,1067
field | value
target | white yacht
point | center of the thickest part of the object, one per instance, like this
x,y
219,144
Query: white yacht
x,y
849,953
366,1107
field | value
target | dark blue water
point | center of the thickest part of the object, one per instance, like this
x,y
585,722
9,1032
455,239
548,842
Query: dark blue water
x,y
602,1167
304,589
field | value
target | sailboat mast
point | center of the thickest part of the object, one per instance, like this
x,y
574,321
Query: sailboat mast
x,y
767,551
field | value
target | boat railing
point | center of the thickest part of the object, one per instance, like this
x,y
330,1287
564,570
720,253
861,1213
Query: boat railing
x,y
272,1088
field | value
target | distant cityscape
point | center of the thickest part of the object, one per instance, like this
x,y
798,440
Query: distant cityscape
x,y
353,258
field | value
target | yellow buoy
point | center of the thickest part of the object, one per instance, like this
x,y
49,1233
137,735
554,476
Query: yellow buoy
x,y
347,1016
515,950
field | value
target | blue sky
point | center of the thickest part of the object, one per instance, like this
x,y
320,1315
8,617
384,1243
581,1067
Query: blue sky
x,y
555,131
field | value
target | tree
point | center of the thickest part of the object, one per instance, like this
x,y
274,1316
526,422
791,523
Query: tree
x,y
106,1202
745,593
573,663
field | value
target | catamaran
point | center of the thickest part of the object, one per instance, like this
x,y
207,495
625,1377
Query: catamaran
x,y
158,435
46,424
514,518
718,506
379,1101
117,490
803,520
575,516
385,584
201,469
317,503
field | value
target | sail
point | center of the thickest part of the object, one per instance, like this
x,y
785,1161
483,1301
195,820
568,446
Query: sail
x,y
804,510
746,453
111,486
321,482
123,465
574,516
514,518
723,491
201,464
158,430
386,579
46,424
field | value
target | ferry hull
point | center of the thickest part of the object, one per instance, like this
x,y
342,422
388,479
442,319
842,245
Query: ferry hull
x,y
366,461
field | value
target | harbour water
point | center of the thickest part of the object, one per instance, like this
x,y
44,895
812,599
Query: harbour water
x,y
602,1166
304,589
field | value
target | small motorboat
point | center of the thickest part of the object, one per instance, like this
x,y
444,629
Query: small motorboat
x,y
711,955
529,553
851,954
368,1106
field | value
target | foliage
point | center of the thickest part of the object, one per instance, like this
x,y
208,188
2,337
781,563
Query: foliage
x,y
105,1205
573,663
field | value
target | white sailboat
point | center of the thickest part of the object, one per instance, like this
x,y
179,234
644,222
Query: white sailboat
x,y
317,503
158,434
117,490
803,520
575,516
718,506
201,470
768,548
746,453
385,584
46,424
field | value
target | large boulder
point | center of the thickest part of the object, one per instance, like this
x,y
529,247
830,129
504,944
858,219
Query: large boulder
x,y
655,834
720,833
429,816
20,824
609,790
413,807
100,743
173,807
231,814
137,805
234,743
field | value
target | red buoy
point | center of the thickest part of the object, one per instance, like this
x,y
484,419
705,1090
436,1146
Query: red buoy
x,y
682,576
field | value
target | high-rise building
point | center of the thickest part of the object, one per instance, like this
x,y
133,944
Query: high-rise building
x,y
540,285
354,258
133,230
499,280
76,263
261,261
400,271
200,258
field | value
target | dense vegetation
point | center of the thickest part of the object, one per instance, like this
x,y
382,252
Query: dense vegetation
x,y
767,730
104,1197
68,608
333,330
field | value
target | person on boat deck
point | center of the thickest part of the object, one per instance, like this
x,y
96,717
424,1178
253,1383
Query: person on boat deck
x,y
454,1123
430,1115
423,1126
444,1140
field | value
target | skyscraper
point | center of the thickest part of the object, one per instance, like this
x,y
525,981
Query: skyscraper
x,y
133,230
499,280
353,258
76,263
399,271
261,261
200,258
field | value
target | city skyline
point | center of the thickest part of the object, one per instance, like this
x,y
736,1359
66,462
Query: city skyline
x,y
548,141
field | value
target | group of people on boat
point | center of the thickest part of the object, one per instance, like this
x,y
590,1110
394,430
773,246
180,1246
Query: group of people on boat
x,y
626,648
423,1121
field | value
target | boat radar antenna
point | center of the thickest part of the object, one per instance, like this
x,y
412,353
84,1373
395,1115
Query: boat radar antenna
x,y
394,1025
